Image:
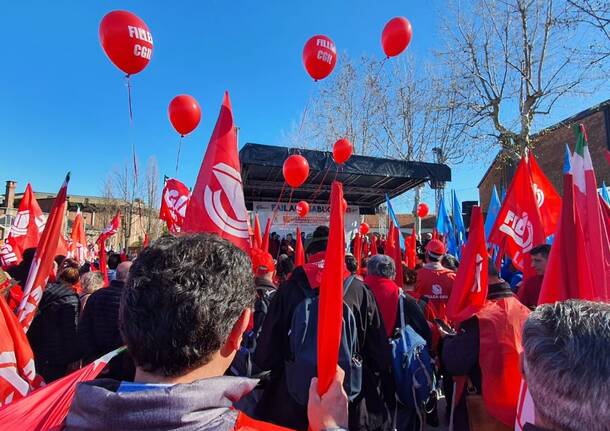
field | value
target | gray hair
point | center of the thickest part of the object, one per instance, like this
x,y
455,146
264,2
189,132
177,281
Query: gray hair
x,y
382,266
91,281
566,364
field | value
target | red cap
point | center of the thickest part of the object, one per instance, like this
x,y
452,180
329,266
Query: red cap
x,y
262,262
435,247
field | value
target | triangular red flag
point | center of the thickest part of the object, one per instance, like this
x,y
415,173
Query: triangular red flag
x,y
331,293
567,275
42,264
108,231
519,227
78,245
358,251
25,231
257,239
174,201
299,251
470,286
265,240
47,407
547,198
217,203
146,241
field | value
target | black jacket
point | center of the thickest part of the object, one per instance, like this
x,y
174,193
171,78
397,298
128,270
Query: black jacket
x,y
52,334
370,409
460,354
414,316
265,291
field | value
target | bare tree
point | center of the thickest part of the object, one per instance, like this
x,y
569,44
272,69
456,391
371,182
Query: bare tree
x,y
509,62
592,14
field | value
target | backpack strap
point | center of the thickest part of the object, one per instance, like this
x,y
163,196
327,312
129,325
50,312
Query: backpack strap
x,y
401,298
347,283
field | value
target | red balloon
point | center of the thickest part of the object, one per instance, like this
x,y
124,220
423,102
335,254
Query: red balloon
x,y
342,150
126,40
396,36
422,210
296,170
319,56
184,113
364,228
302,208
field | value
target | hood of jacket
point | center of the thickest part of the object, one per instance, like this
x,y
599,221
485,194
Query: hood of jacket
x,y
204,404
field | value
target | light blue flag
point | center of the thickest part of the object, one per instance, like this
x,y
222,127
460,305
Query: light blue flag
x,y
567,165
444,226
395,221
458,222
605,193
492,211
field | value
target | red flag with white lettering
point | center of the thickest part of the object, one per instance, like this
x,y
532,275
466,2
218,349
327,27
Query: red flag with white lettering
x,y
470,286
25,231
547,198
174,200
42,265
519,226
217,203
77,249
108,231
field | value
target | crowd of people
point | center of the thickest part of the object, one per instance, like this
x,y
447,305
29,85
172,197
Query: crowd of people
x,y
218,339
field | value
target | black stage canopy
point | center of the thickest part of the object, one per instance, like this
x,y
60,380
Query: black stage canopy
x,y
366,180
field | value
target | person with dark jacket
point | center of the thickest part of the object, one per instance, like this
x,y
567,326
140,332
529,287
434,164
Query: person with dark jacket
x,y
98,332
381,271
370,409
52,334
495,330
264,272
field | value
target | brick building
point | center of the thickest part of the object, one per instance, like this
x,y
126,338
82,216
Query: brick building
x,y
549,149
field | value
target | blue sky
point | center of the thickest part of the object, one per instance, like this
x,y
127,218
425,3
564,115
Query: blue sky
x,y
63,105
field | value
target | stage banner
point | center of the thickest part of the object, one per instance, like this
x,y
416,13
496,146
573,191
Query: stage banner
x,y
287,219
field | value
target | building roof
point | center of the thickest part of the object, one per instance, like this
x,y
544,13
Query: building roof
x,y
565,122
366,180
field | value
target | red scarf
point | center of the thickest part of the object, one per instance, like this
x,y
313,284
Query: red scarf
x,y
386,294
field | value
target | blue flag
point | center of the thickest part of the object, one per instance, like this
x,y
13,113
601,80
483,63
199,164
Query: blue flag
x,y
444,226
492,211
458,222
567,166
395,221
605,193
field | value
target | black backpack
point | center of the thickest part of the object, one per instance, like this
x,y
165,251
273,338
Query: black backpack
x,y
302,365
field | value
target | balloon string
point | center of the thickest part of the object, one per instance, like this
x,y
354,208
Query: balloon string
x,y
315,194
178,156
128,80
275,210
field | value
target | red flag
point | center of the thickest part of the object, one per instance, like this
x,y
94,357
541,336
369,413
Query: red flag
x,y
519,227
365,247
607,156
17,374
568,274
25,231
257,240
217,204
398,257
374,245
265,240
108,231
411,244
42,265
547,198
47,407
331,293
146,241
78,245
358,251
299,251
470,286
174,201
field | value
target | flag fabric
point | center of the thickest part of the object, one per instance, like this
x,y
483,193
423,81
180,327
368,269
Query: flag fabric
x,y
469,291
331,293
47,407
568,273
44,258
25,231
265,240
77,248
366,247
604,193
607,156
394,220
444,225
299,251
597,241
358,251
174,201
492,211
257,238
374,245
518,227
17,371
547,198
108,231
411,253
146,241
217,203
398,238
567,157
458,223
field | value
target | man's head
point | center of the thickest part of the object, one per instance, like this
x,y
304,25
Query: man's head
x,y
540,256
318,241
113,260
186,304
566,363
351,264
289,237
262,264
435,250
122,271
381,265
